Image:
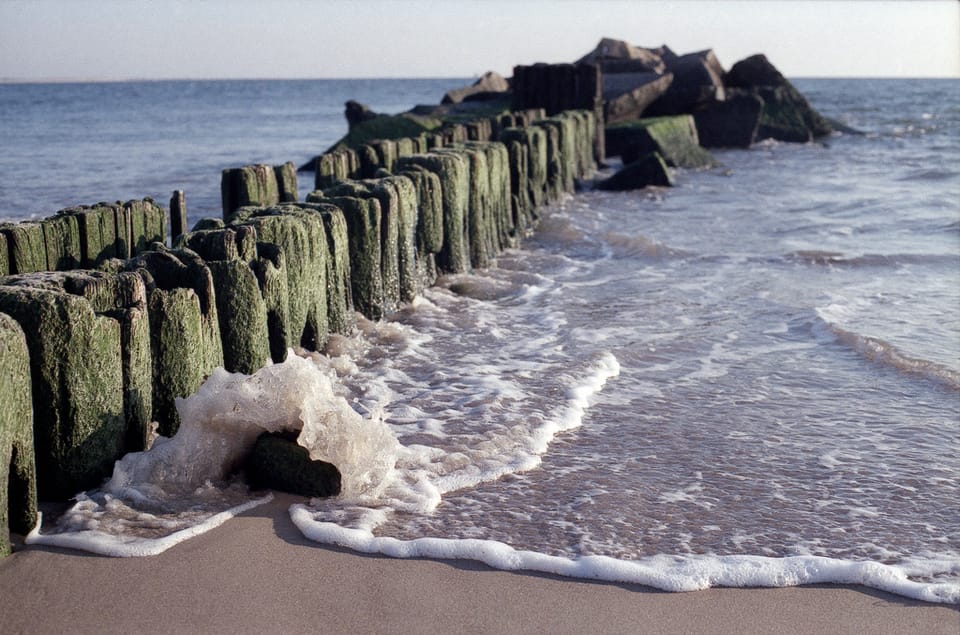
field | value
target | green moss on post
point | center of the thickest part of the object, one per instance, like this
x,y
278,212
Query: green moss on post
x,y
141,223
77,381
302,238
27,247
271,271
429,231
231,243
286,176
362,216
499,209
4,255
18,478
249,185
339,295
123,296
406,197
98,233
479,230
243,316
184,327
453,171
177,344
61,236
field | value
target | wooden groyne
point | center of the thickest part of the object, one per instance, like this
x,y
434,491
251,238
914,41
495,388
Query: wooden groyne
x,y
106,319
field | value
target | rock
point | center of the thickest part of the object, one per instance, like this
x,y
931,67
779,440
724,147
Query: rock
x,y
697,80
278,462
786,115
77,383
614,56
18,477
754,71
489,86
627,95
731,123
386,127
673,138
649,169
357,113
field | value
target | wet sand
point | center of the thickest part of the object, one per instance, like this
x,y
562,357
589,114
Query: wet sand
x,y
256,573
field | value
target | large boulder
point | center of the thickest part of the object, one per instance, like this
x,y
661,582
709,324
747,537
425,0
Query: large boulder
x,y
357,113
386,127
278,462
732,123
697,80
489,85
673,138
786,114
627,95
617,56
648,170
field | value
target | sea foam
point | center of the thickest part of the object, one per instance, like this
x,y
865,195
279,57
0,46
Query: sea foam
x,y
668,573
185,485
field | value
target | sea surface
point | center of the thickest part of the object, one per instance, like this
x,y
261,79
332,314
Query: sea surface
x,y
750,379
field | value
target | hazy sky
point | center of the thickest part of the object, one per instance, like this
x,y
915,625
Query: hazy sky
x,y
124,39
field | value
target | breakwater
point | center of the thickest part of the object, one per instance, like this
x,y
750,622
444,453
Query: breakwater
x,y
106,319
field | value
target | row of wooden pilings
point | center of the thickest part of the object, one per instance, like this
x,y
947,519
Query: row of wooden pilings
x,y
103,326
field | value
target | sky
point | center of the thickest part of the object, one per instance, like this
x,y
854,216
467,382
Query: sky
x,y
54,40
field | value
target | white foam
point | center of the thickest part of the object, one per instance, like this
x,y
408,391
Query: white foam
x,y
126,546
186,480
668,573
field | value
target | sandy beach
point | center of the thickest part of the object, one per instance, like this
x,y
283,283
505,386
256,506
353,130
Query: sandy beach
x,y
256,573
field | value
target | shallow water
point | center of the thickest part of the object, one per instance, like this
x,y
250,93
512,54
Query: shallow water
x,y
750,379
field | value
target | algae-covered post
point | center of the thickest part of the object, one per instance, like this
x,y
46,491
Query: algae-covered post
x,y
18,485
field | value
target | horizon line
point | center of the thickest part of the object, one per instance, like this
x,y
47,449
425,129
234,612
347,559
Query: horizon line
x,y
122,80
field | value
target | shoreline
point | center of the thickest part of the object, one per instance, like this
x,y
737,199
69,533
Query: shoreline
x,y
257,572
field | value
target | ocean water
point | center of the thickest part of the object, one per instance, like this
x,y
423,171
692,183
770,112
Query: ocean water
x,y
751,379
